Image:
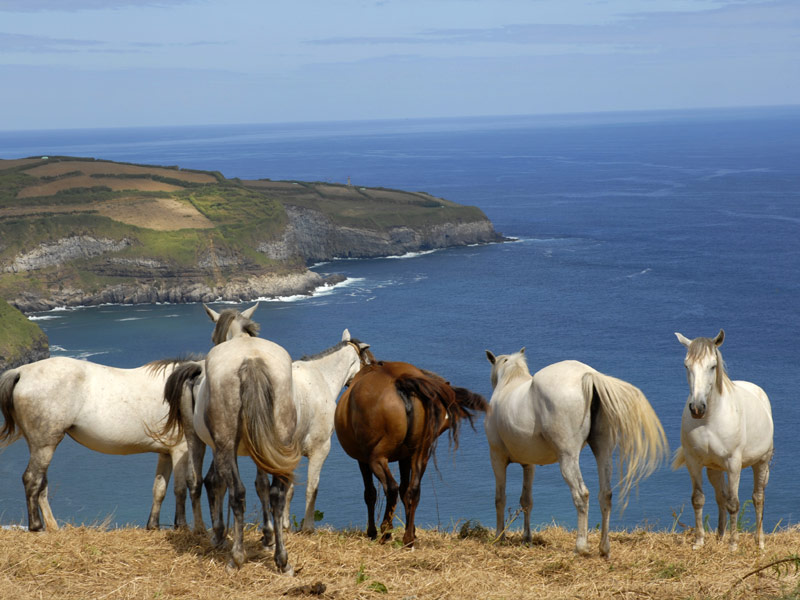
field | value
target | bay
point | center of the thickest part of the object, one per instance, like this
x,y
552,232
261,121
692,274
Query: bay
x,y
629,227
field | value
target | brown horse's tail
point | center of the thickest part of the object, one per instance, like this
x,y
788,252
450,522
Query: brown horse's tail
x,y
634,426
442,402
258,422
183,375
8,433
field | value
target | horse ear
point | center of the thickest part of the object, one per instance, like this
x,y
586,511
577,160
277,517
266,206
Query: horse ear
x,y
720,338
683,339
249,312
490,356
522,350
363,346
212,314
346,335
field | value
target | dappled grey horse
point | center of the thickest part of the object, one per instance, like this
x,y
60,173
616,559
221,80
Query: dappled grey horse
x,y
110,410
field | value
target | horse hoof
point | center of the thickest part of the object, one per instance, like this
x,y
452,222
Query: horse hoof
x,y
268,547
287,570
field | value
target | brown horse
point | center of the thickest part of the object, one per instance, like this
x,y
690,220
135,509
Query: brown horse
x,y
394,411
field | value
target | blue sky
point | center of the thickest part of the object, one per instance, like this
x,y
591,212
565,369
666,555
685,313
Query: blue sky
x,y
117,63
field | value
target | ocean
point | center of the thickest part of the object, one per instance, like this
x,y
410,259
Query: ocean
x,y
627,227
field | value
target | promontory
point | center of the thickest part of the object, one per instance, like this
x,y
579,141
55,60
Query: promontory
x,y
81,231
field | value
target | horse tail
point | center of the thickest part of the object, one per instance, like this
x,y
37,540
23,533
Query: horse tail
x,y
679,459
634,427
173,393
442,402
258,422
8,380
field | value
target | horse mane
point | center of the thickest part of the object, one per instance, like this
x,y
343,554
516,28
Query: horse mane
x,y
226,317
514,366
160,366
701,347
332,349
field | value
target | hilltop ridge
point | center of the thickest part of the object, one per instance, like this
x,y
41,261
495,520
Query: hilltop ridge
x,y
83,231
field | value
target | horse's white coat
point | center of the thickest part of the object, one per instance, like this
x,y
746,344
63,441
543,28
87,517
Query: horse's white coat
x,y
726,426
110,410
547,418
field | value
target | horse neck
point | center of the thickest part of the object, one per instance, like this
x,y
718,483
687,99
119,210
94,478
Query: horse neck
x,y
337,367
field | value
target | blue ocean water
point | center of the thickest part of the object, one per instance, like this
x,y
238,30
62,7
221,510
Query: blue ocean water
x,y
629,226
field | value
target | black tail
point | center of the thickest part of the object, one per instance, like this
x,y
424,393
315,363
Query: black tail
x,y
173,391
8,433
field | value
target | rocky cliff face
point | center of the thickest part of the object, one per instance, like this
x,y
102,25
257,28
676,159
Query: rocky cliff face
x,y
217,273
316,238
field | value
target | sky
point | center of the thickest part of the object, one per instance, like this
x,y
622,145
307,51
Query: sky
x,y
131,63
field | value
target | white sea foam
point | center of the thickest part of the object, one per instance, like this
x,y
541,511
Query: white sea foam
x,y
414,254
322,290
42,317
130,319
640,273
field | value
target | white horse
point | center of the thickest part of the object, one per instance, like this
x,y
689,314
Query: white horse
x,y
110,410
317,381
726,425
550,416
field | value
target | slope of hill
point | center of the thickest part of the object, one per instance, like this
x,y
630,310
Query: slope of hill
x,y
78,231
21,341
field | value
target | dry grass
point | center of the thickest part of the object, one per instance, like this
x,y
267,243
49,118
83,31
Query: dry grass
x,y
85,181
102,167
162,214
81,562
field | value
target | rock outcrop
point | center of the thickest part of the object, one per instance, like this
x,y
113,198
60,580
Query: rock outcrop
x,y
315,237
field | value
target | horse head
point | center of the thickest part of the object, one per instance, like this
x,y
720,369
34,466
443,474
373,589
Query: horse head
x,y
705,370
365,356
231,323
506,366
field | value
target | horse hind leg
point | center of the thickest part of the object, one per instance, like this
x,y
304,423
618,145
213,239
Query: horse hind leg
x,y
277,498
602,446
370,498
381,469
411,498
163,472
215,490
760,479
263,491
571,471
34,480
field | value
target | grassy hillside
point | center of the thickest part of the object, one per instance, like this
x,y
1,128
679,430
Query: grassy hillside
x,y
70,222
84,562
18,336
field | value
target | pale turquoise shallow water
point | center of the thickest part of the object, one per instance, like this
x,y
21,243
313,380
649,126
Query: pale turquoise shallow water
x,y
630,227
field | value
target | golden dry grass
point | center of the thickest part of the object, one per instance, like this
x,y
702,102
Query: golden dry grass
x,y
85,181
162,214
81,562
101,167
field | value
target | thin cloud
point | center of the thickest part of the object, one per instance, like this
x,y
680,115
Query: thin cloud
x,y
20,6
14,42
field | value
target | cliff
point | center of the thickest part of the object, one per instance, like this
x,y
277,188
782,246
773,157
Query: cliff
x,y
21,341
77,231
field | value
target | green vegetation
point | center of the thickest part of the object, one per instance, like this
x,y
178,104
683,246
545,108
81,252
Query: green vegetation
x,y
176,223
18,335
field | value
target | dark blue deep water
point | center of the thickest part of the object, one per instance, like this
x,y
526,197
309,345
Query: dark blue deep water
x,y
630,227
